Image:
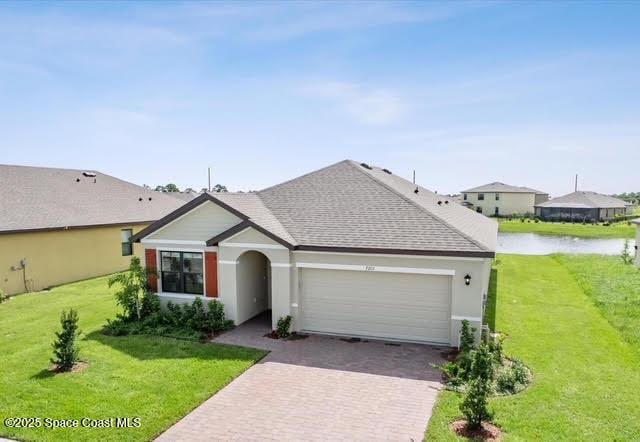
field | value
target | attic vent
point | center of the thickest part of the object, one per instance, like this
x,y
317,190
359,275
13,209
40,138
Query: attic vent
x,y
139,199
415,191
89,174
446,202
366,166
149,198
387,171
77,180
439,203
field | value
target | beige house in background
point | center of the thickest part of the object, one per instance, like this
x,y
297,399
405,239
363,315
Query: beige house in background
x,y
499,199
349,250
64,225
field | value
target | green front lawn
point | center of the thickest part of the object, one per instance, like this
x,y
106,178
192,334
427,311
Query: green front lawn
x,y
613,286
157,379
617,230
586,376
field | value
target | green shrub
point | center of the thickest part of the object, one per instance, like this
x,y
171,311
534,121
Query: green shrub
x,y
483,364
283,327
626,255
467,337
3,296
65,350
520,372
134,295
453,373
506,381
474,405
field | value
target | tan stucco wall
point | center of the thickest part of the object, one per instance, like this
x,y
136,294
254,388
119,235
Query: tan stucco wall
x,y
509,203
59,257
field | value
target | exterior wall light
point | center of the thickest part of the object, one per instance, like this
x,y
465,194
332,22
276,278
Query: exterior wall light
x,y
467,279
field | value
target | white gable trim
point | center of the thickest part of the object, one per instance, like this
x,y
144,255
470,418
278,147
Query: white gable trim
x,y
374,268
247,245
237,233
173,241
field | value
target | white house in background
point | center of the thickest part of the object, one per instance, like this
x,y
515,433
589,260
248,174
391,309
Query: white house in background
x,y
499,199
348,250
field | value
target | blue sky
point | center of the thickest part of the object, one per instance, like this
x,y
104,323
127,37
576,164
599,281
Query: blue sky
x,y
465,93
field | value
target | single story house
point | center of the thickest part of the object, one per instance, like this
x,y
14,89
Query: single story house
x,y
349,250
64,225
637,223
582,206
499,199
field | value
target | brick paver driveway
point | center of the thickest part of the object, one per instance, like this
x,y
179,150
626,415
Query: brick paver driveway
x,y
319,388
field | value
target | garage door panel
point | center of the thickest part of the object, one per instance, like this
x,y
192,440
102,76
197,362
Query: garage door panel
x,y
376,304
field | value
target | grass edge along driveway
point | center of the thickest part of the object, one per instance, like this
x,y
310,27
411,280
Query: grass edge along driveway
x,y
157,379
586,377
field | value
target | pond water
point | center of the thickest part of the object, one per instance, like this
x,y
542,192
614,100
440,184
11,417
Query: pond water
x,y
535,244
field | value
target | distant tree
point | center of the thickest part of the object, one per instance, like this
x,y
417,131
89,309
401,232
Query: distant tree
x,y
168,188
189,190
219,188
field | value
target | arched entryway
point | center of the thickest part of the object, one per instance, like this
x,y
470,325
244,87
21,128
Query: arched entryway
x,y
253,283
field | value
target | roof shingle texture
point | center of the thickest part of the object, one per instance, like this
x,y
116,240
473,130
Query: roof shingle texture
x,y
584,200
252,206
34,198
345,206
503,188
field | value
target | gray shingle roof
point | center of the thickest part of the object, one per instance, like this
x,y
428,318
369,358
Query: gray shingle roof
x,y
251,205
585,200
503,188
347,206
474,225
35,198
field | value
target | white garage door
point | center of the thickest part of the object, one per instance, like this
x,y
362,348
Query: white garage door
x,y
403,306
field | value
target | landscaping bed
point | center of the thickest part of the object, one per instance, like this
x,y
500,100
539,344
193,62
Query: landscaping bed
x,y
585,376
157,379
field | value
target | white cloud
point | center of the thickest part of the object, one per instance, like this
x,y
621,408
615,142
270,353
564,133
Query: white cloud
x,y
376,106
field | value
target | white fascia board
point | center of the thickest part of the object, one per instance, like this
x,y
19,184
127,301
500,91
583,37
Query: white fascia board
x,y
245,245
173,241
384,255
373,268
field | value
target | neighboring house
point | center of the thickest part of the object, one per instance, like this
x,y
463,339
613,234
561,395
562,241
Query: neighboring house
x,y
582,206
637,223
62,225
499,199
347,250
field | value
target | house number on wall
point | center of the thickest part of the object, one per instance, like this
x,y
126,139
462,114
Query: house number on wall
x,y
370,268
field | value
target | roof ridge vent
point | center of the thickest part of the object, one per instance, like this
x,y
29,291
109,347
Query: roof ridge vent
x,y
89,174
366,166
387,171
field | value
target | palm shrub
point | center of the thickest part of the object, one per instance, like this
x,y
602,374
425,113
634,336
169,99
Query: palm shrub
x,y
65,350
134,295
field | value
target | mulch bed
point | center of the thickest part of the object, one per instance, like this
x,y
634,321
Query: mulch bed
x,y
486,432
77,368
